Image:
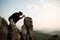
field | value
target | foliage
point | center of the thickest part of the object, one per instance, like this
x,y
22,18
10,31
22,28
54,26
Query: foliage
x,y
41,36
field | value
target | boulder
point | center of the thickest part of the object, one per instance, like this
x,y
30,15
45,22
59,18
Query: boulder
x,y
14,32
3,29
27,29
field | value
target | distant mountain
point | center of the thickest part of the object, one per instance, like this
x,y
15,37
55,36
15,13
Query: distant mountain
x,y
55,33
51,32
41,36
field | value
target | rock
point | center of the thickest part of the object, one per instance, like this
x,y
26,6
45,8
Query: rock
x,y
11,32
27,29
3,29
14,33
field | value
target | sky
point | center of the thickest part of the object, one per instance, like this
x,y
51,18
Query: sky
x,y
45,13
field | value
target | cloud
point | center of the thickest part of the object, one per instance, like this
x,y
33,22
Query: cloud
x,y
47,12
34,7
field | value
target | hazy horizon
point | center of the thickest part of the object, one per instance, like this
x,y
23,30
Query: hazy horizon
x,y
45,13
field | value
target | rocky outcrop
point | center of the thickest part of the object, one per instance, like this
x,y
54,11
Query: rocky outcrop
x,y
27,29
3,29
11,32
